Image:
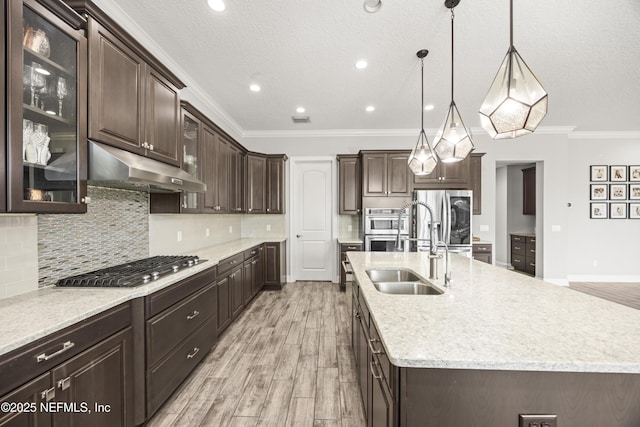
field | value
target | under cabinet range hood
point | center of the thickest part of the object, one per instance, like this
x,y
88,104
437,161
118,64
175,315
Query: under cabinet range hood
x,y
116,168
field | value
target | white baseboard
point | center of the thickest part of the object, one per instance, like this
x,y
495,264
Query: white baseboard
x,y
558,282
602,278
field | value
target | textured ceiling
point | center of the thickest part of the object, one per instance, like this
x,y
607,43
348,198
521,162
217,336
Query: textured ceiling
x,y
302,52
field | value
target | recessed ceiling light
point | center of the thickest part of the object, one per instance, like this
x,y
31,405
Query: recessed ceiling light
x,y
255,88
370,108
428,107
217,5
300,110
361,64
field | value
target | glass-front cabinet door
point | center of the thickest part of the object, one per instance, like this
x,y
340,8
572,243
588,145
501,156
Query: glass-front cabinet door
x,y
46,109
191,202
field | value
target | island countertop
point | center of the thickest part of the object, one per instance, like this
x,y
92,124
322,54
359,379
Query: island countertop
x,y
495,319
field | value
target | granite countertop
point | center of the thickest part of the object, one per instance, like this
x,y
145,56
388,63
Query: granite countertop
x,y
33,315
525,234
349,240
492,318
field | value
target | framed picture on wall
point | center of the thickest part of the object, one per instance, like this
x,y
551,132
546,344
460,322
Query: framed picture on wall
x,y
598,210
634,210
634,191
599,192
634,173
618,211
618,191
599,173
617,173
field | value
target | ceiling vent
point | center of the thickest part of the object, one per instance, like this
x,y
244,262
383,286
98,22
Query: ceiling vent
x,y
301,119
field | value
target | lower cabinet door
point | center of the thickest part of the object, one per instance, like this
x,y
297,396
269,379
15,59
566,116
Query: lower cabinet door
x,y
224,301
247,282
235,287
97,384
381,410
363,369
28,397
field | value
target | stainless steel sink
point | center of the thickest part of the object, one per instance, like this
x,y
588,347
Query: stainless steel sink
x,y
401,281
407,288
393,275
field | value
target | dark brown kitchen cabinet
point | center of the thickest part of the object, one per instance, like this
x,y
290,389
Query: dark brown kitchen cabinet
x,y
235,289
482,252
209,173
523,252
250,275
44,152
237,161
180,329
343,263
350,184
275,264
275,184
529,191
446,175
386,173
224,309
91,362
230,287
134,101
216,157
475,181
256,183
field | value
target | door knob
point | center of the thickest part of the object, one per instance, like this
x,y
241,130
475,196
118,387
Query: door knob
x,y
298,235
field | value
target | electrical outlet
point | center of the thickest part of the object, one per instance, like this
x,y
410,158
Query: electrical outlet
x,y
179,236
268,227
231,229
538,420
484,227
207,232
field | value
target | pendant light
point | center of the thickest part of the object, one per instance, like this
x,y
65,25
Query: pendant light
x,y
452,142
516,102
422,160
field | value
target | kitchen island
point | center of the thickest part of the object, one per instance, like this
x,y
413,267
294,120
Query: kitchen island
x,y
494,345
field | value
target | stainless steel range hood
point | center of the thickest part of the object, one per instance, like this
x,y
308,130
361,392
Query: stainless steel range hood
x,y
113,167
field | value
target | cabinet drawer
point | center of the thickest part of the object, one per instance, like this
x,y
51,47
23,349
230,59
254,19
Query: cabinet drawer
x,y
518,248
531,241
364,310
481,248
346,247
36,358
251,252
167,375
530,250
520,239
168,328
379,354
167,297
227,264
530,264
518,261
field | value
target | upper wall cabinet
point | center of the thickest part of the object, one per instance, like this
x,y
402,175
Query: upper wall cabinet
x,y
275,184
134,102
237,163
256,179
45,115
445,175
350,182
385,173
475,184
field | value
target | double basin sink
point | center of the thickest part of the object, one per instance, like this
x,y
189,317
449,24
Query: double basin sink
x,y
401,281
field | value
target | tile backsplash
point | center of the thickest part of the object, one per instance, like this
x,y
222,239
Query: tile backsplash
x,y
114,230
18,254
176,234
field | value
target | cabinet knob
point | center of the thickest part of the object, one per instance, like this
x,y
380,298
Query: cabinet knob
x,y
86,200
151,147
268,210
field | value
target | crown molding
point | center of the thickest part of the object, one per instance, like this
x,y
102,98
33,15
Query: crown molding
x,y
333,133
605,135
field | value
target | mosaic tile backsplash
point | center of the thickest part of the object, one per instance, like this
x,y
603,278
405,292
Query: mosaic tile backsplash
x,y
114,230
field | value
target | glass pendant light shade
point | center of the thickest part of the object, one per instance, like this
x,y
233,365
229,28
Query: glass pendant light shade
x,y
422,160
516,102
452,142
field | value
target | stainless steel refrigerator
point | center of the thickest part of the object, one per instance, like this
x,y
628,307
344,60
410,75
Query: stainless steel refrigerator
x,y
452,211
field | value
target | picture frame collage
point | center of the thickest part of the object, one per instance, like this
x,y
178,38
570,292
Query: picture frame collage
x,y
614,191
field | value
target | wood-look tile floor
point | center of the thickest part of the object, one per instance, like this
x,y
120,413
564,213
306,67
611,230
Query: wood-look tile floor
x,y
286,361
624,293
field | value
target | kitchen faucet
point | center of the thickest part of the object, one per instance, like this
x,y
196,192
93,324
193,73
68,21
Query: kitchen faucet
x,y
433,255
447,268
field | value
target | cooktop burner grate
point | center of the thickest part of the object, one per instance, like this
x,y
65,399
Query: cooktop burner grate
x,y
131,274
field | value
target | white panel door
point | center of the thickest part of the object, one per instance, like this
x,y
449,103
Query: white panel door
x,y
311,235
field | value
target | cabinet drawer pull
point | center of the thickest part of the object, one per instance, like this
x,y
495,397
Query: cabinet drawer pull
x,y
44,357
192,355
176,181
532,264
64,383
371,341
353,248
378,377
48,394
193,315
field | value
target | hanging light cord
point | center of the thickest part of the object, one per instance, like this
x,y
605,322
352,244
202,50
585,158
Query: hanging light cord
x,y
511,23
452,19
422,95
